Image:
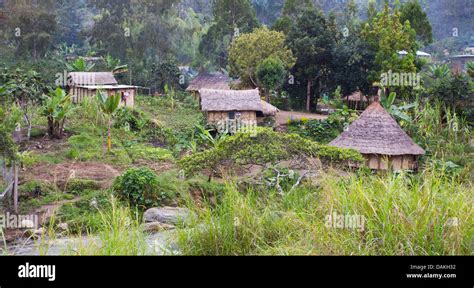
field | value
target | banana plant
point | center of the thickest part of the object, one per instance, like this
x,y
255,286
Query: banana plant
x,y
80,65
470,68
57,107
399,112
108,105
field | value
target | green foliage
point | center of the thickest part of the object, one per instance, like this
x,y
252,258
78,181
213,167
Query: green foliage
x,y
56,107
31,28
271,74
8,147
34,194
80,186
141,188
130,119
149,153
403,215
231,18
261,147
83,216
324,131
398,112
166,73
444,133
80,65
387,35
312,39
89,147
249,50
412,12
108,105
453,90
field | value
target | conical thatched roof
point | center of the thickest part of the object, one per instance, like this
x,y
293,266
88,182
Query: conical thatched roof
x,y
376,132
230,100
92,78
216,81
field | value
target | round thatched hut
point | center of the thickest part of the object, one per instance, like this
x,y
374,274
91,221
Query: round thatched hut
x,y
378,137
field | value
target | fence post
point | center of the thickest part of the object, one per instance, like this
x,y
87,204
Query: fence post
x,y
15,189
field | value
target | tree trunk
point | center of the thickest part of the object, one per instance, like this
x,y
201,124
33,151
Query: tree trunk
x,y
109,137
308,96
28,122
50,127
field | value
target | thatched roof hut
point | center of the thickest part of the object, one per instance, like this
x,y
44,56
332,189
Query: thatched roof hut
x,y
230,100
91,78
356,96
216,81
83,85
381,140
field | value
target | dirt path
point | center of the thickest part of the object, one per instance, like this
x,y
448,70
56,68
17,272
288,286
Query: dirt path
x,y
283,116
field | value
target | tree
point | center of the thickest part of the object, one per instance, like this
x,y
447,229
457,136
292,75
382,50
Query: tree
x,y
386,36
312,40
32,26
108,105
251,49
470,68
80,65
292,10
412,12
270,75
25,89
231,18
453,90
166,73
353,58
57,107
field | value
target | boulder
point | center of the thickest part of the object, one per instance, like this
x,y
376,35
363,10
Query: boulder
x,y
166,215
154,227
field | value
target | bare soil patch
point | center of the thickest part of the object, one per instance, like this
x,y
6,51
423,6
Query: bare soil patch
x,y
60,174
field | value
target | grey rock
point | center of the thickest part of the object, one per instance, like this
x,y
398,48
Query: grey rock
x,y
167,215
156,227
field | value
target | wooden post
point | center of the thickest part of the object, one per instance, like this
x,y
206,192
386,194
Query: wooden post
x,y
15,189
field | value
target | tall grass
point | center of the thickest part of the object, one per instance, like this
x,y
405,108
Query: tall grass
x,y
443,133
404,215
119,234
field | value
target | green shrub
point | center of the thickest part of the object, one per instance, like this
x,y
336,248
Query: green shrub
x,y
323,131
144,152
132,119
83,216
140,187
77,186
261,147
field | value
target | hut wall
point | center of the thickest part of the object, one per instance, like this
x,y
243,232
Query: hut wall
x,y
218,117
396,163
79,94
130,102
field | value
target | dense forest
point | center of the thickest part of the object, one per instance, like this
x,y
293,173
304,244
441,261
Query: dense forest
x,y
237,127
157,37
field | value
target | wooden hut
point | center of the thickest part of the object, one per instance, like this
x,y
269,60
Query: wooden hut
x,y
213,81
356,101
378,137
86,84
224,106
